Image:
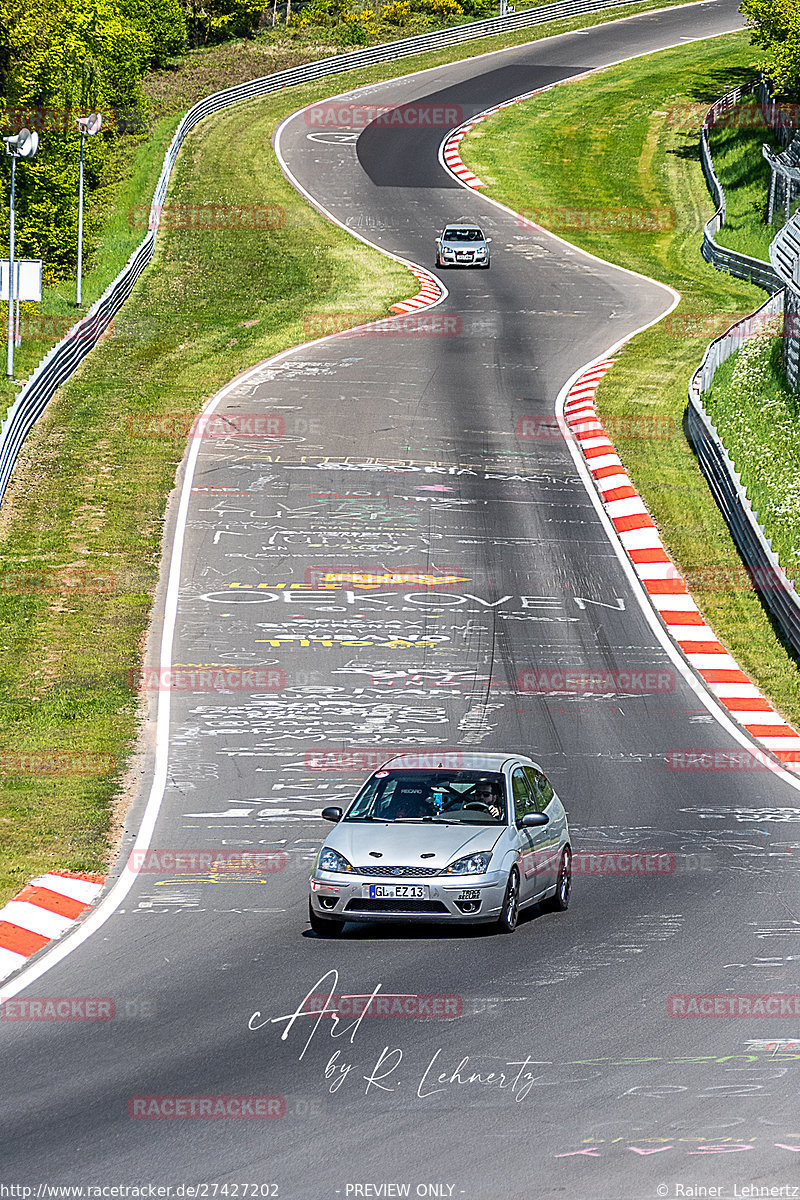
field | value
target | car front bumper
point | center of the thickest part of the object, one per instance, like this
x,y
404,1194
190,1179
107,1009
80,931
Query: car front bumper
x,y
474,260
463,898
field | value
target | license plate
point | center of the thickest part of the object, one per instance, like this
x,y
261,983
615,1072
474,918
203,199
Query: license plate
x,y
469,894
397,891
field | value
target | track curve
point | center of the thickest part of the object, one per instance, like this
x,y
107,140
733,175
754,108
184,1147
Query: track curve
x,y
400,454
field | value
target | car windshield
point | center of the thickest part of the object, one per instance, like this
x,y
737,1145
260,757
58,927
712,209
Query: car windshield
x,y
443,796
463,235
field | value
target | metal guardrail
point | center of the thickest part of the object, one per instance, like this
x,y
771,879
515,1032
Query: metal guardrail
x,y
63,360
769,578
741,265
777,591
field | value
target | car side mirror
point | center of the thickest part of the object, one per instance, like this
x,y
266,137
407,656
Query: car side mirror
x,y
438,241
331,814
488,240
531,820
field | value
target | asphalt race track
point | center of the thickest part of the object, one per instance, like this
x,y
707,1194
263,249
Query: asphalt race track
x,y
399,454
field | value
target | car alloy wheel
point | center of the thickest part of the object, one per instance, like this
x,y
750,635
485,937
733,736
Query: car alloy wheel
x,y
510,913
560,901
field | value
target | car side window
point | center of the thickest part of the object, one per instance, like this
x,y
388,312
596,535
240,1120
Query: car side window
x,y
541,787
524,800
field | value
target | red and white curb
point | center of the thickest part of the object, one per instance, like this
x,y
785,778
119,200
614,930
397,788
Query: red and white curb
x,y
44,910
661,579
452,158
431,292
449,153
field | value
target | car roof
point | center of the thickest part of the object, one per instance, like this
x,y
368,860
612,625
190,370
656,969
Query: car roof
x,y
466,762
462,225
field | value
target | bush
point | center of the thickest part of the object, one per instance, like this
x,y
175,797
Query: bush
x,y
397,12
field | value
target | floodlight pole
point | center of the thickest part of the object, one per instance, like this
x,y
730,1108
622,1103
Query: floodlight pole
x,y
88,126
80,223
10,351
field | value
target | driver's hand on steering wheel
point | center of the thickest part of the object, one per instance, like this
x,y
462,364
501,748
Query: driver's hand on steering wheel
x,y
487,796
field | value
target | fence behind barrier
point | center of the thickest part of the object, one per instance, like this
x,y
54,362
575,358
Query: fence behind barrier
x,y
721,257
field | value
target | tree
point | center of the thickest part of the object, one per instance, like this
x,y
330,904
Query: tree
x,y
163,22
775,26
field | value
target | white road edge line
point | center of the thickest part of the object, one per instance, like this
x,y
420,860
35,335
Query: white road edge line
x,y
643,597
52,955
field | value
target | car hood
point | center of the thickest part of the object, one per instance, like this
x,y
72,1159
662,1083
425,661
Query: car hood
x,y
459,245
402,845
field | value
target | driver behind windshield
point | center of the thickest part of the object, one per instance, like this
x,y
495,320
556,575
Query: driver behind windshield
x,y
485,797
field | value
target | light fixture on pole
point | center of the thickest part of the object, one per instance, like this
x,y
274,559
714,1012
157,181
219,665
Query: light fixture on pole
x,y
22,145
88,126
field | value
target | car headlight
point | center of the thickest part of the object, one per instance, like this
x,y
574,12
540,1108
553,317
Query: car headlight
x,y
332,860
481,250
473,864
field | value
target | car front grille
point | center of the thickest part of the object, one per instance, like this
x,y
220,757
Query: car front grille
x,y
397,872
363,904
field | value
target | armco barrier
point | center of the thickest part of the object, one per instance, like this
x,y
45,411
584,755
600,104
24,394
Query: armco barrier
x,y
779,595
740,265
60,363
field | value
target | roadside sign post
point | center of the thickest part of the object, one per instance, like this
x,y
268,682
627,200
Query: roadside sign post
x,y
22,145
27,285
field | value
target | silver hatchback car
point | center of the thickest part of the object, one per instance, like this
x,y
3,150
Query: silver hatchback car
x,y
477,842
462,245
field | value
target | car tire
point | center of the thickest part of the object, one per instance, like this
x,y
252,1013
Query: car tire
x,y
324,926
560,901
486,266
509,916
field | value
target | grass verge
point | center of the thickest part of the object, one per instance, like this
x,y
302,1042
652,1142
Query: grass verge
x,y
756,417
744,174
616,150
81,525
